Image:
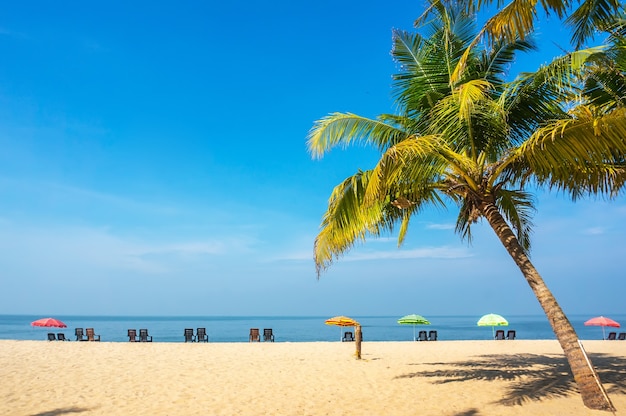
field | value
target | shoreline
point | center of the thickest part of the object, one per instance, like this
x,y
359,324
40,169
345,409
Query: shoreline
x,y
508,378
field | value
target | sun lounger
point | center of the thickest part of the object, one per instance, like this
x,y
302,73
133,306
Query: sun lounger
x,y
432,335
201,335
348,337
61,337
189,336
612,336
132,335
268,334
254,335
80,336
510,334
143,336
51,336
499,334
91,335
622,336
421,336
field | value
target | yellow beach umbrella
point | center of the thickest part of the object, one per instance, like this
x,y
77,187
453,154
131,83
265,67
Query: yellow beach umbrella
x,y
341,321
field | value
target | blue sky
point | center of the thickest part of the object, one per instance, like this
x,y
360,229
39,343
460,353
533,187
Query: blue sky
x,y
153,162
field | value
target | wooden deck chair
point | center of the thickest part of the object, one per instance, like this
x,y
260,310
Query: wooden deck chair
x,y
143,336
254,335
189,337
80,336
201,335
268,334
91,335
132,335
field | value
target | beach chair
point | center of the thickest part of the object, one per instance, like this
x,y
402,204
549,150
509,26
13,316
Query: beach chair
x,y
143,336
132,335
432,335
268,335
51,336
80,336
421,336
91,335
201,335
499,334
621,336
189,337
510,334
61,337
612,336
348,337
254,335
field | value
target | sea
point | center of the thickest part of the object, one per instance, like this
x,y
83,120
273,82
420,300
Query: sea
x,y
292,328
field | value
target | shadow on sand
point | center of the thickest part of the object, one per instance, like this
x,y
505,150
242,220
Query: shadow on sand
x,y
532,377
62,411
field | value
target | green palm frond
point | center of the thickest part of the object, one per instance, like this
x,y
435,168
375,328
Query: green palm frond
x,y
589,17
346,220
581,155
344,129
517,207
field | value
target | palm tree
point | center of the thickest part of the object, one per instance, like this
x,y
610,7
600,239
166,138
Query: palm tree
x,y
516,19
479,143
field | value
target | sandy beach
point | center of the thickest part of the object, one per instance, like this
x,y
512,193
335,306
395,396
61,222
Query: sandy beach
x,y
454,378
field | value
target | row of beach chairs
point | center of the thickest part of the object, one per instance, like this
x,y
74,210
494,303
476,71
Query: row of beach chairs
x,y
510,334
613,336
87,335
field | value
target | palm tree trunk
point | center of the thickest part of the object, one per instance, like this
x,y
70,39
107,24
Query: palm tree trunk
x,y
593,394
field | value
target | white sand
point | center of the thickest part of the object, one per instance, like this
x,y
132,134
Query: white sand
x,y
455,378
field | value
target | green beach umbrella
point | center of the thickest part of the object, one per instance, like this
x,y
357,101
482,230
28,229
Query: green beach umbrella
x,y
413,319
492,319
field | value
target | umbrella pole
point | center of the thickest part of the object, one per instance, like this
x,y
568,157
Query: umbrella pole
x,y
603,335
414,333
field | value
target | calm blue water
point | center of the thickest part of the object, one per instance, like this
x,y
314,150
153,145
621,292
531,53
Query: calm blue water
x,y
289,328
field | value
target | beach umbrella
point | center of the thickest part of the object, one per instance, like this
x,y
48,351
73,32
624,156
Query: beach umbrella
x,y
602,321
413,319
341,321
49,322
492,320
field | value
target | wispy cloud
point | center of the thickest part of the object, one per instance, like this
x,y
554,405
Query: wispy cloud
x,y
434,226
594,231
444,252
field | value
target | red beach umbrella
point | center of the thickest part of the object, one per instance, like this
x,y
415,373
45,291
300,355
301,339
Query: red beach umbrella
x,y
602,321
49,322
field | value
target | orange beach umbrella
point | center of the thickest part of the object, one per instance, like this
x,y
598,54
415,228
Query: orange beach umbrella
x,y
341,321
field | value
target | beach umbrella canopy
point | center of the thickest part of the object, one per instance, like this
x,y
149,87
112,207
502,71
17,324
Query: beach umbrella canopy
x,y
413,319
602,321
341,321
492,320
48,322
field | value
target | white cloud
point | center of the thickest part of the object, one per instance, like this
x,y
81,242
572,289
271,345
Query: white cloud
x,y
594,231
434,226
444,252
